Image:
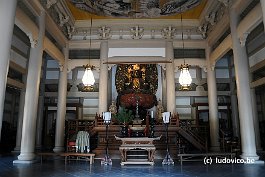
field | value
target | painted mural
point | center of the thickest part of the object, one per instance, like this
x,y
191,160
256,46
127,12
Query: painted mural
x,y
135,8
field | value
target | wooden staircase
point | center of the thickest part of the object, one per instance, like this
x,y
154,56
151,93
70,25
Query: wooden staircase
x,y
196,140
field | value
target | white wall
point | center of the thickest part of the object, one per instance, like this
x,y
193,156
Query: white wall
x,y
136,52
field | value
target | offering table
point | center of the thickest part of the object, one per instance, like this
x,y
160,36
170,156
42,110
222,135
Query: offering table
x,y
138,150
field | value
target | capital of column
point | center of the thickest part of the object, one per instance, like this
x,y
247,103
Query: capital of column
x,y
33,41
210,66
243,39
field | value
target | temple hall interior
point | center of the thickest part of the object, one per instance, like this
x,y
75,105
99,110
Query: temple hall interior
x,y
132,87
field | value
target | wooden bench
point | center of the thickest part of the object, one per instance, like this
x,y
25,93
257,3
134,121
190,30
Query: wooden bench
x,y
42,154
73,154
190,157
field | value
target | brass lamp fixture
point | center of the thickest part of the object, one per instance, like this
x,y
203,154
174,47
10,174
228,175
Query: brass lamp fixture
x,y
184,78
88,77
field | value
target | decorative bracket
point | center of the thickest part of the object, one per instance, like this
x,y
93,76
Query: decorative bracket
x,y
50,3
203,30
152,33
70,31
137,32
225,2
104,32
211,18
168,32
63,19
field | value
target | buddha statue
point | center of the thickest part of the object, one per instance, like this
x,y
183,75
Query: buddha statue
x,y
159,110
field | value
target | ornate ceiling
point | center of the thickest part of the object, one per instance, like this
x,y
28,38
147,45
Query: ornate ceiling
x,y
82,9
135,19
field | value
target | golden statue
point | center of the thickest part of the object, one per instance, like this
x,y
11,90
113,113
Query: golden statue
x,y
113,108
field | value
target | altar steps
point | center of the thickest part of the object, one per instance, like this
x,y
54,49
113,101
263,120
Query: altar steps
x,y
179,141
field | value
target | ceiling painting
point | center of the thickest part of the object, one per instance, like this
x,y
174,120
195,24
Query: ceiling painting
x,y
135,8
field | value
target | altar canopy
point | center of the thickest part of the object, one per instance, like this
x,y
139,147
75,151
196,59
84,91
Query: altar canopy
x,y
136,84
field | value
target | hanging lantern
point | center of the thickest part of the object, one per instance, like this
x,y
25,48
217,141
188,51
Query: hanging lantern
x,y
88,77
184,78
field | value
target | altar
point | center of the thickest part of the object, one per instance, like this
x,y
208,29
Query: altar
x,y
138,150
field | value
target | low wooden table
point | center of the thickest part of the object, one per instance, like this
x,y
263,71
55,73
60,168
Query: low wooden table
x,y
191,157
74,154
137,143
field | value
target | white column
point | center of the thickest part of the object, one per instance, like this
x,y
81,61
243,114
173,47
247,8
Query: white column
x,y
170,77
234,107
159,94
243,92
7,18
235,118
31,98
103,78
164,87
114,92
213,104
20,120
256,120
61,105
39,123
41,108
74,80
262,3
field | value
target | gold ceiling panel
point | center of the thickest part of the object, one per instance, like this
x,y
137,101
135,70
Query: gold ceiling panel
x,y
190,12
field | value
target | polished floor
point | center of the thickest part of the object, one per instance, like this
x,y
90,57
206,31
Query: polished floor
x,y
57,168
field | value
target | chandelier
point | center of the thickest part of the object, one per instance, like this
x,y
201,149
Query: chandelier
x,y
88,77
184,78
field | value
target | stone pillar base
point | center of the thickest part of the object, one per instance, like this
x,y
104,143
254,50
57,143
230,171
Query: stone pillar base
x,y
25,161
26,157
38,148
215,148
249,156
257,162
16,150
58,149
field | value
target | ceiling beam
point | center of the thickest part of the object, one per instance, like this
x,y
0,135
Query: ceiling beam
x,y
218,30
221,50
54,31
53,51
15,83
